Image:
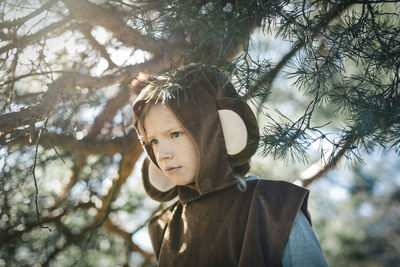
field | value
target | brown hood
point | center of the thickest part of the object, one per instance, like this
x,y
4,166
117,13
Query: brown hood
x,y
193,97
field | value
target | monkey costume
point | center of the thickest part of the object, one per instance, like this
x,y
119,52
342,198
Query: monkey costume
x,y
213,222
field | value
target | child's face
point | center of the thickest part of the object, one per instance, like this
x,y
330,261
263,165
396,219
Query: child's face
x,y
173,148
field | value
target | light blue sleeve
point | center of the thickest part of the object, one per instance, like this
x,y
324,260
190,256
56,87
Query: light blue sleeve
x,y
302,248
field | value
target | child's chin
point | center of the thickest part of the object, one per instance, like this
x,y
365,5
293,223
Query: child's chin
x,y
183,183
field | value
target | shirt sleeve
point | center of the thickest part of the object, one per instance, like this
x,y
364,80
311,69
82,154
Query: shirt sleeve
x,y
302,248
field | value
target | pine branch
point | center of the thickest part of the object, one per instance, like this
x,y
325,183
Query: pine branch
x,y
267,80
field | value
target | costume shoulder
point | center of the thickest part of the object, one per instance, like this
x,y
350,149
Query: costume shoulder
x,y
157,226
283,196
272,212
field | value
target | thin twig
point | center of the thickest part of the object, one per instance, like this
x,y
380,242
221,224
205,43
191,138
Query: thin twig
x,y
35,181
332,163
35,36
54,148
14,79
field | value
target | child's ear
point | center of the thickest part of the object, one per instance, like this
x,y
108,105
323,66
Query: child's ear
x,y
156,184
240,129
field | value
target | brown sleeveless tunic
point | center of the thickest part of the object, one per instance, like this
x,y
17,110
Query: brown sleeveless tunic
x,y
229,227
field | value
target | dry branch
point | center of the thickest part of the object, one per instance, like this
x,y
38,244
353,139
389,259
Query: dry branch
x,y
127,237
110,19
85,29
84,147
37,36
68,81
20,21
306,181
10,237
40,111
155,65
115,104
127,165
71,239
17,78
74,178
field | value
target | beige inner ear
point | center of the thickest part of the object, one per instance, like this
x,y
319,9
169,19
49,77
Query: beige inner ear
x,y
234,130
158,179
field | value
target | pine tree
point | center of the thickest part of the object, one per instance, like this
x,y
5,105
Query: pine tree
x,y
71,68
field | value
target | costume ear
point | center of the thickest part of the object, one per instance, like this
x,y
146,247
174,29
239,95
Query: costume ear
x,y
156,184
240,129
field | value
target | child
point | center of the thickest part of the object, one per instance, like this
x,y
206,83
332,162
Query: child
x,y
199,138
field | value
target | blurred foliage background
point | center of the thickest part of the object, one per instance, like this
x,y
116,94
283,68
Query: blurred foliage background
x,y
322,77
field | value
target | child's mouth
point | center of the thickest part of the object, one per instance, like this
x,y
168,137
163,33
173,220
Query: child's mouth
x,y
172,170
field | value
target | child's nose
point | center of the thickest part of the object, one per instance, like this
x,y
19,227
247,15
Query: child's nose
x,y
164,152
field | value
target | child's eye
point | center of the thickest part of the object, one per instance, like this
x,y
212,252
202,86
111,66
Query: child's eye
x,y
153,142
176,134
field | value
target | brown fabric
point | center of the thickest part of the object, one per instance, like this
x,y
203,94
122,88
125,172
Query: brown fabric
x,y
153,192
229,227
245,112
